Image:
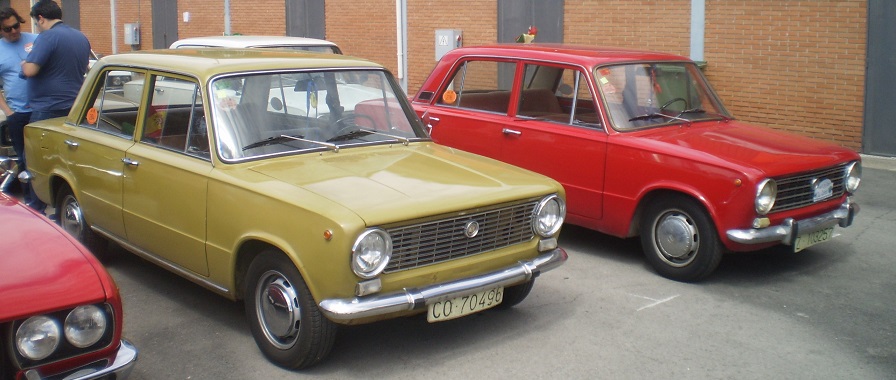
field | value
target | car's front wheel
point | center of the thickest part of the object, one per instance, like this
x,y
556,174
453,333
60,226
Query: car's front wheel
x,y
679,239
287,325
513,295
71,218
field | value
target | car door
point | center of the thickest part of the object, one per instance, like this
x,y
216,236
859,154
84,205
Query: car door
x,y
165,178
548,135
471,111
93,151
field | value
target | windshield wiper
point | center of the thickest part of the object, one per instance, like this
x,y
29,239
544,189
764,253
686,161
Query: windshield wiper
x,y
279,139
701,110
657,114
271,140
363,132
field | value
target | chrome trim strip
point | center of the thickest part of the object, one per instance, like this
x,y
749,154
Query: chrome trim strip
x,y
346,309
787,232
164,263
120,368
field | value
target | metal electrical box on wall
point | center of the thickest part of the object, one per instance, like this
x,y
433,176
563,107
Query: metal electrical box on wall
x,y
447,40
132,34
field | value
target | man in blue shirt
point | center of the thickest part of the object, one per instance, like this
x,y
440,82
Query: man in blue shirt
x,y
14,47
56,65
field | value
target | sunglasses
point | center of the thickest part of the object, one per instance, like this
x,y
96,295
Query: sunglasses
x,y
16,26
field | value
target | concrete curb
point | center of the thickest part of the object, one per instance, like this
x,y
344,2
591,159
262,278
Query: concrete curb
x,y
879,162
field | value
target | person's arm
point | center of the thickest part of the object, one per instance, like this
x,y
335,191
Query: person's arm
x,y
5,107
30,69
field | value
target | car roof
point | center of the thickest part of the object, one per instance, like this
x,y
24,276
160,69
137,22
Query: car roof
x,y
204,63
584,55
250,41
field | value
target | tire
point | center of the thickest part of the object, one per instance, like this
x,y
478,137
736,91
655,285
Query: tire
x,y
291,333
679,239
513,295
71,219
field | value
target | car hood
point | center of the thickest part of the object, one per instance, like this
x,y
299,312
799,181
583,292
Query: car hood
x,y
398,182
753,149
41,267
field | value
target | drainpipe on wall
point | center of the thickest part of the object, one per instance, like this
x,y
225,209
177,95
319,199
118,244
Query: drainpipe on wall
x,y
401,21
698,26
226,17
114,36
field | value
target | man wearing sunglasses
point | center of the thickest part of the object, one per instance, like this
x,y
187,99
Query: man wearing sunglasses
x,y
14,47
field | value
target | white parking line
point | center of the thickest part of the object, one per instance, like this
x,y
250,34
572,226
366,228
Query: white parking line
x,y
656,301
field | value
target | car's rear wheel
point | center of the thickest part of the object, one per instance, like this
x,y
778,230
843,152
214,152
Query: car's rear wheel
x,y
71,218
513,295
287,325
679,239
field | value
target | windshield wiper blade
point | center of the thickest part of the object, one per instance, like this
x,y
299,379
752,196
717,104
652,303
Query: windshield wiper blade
x,y
363,132
701,110
657,114
271,140
282,138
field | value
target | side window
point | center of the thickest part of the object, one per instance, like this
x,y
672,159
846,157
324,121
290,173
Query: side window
x,y
113,110
557,94
175,119
475,85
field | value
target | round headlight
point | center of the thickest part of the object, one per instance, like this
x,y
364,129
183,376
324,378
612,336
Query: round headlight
x,y
371,253
549,216
765,196
85,325
853,176
38,337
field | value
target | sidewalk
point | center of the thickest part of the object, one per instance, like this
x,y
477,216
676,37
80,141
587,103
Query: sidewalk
x,y
879,162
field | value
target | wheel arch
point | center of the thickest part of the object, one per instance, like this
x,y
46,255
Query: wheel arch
x,y
658,192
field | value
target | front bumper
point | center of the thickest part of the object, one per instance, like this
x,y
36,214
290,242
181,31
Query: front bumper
x,y
120,368
787,232
347,309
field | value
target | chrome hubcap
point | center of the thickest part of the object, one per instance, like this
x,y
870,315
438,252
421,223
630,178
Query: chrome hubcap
x,y
71,219
277,307
676,238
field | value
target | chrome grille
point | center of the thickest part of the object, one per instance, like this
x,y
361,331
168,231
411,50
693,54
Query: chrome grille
x,y
438,241
796,191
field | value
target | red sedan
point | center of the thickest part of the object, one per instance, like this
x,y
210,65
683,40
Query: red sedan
x,y
60,312
643,147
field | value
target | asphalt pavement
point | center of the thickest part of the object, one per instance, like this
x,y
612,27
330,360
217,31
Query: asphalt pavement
x,y
824,313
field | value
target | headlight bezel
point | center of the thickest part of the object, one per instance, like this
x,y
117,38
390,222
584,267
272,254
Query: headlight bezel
x,y
852,177
65,349
362,247
554,204
766,195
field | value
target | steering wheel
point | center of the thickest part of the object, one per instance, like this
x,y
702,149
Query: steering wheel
x,y
673,100
345,128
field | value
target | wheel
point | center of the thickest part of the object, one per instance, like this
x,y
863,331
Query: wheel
x,y
71,218
679,239
285,321
673,100
513,295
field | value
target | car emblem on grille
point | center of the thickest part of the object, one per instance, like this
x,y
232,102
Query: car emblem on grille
x,y
471,229
822,188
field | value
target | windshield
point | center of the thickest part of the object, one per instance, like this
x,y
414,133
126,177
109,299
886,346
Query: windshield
x,y
284,112
644,95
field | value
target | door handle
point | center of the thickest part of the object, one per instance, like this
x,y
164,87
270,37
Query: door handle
x,y
130,162
71,143
508,131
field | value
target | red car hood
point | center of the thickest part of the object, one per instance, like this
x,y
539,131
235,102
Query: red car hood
x,y
41,267
752,148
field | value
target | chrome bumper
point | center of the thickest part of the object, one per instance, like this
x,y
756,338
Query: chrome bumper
x,y
120,368
787,232
346,309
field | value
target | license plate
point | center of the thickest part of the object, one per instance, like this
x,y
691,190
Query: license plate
x,y
465,305
807,240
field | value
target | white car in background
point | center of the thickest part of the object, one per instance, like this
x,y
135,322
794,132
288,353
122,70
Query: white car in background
x,y
268,42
